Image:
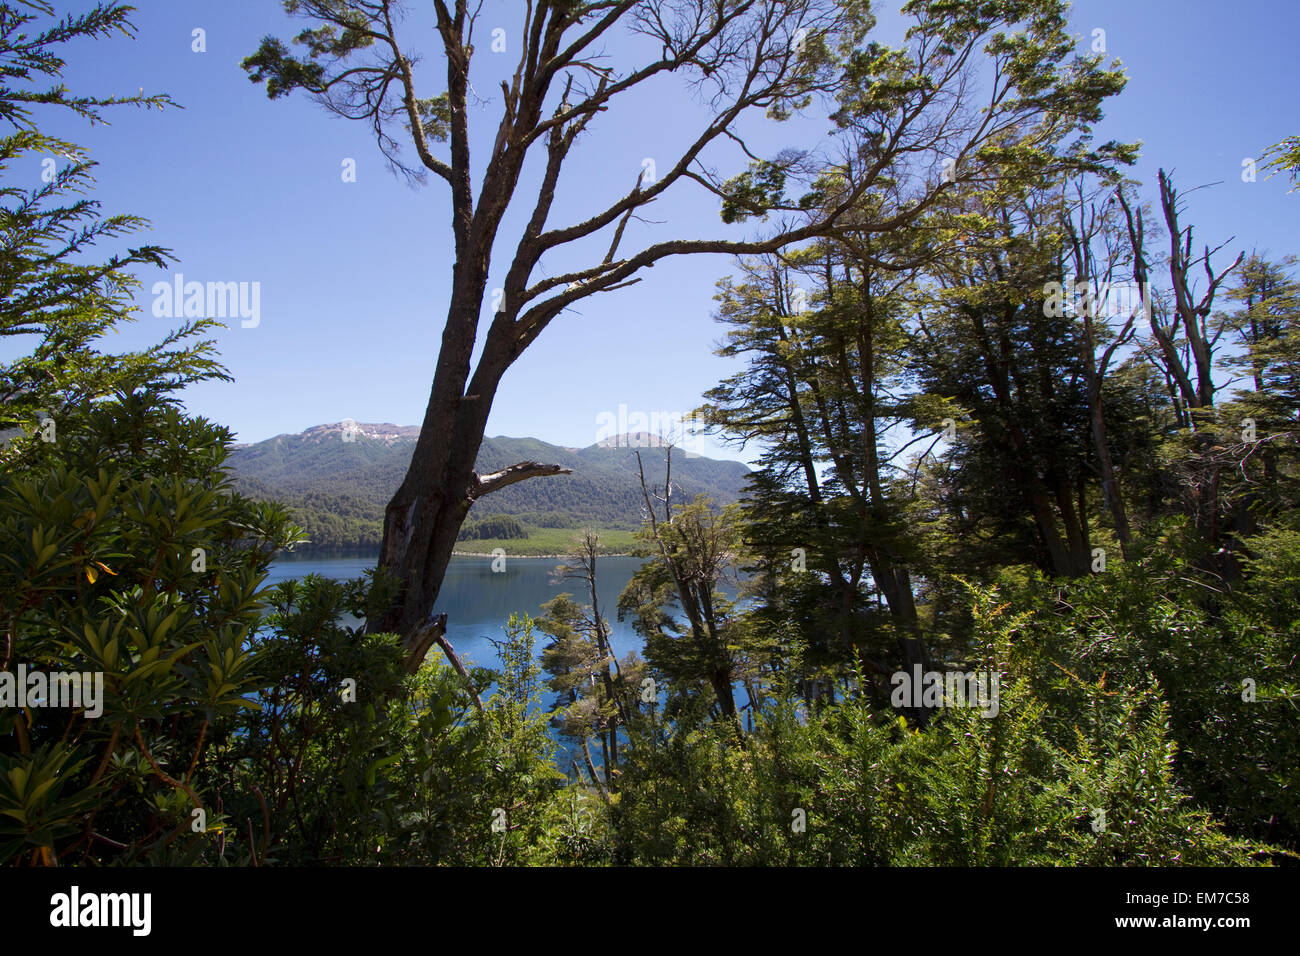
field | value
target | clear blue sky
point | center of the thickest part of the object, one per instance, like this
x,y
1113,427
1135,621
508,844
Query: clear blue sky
x,y
354,276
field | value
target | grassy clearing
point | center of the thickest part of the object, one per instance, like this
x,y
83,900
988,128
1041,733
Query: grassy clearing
x,y
547,541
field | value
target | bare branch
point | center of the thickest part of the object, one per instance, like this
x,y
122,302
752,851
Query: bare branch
x,y
486,484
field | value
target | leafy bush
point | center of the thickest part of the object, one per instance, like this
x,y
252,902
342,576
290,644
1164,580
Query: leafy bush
x,y
125,554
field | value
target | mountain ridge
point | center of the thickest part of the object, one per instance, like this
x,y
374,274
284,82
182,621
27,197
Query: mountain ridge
x,y
338,477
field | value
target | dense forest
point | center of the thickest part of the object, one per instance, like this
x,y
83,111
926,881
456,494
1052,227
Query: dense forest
x,y
1019,562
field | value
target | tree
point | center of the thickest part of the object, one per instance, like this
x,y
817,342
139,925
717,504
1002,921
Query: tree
x,y
991,339
817,391
746,52
823,386
1261,421
1185,343
775,402
769,55
47,289
1266,323
691,546
1097,254
585,673
1187,361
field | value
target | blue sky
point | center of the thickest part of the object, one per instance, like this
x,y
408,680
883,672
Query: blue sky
x,y
354,275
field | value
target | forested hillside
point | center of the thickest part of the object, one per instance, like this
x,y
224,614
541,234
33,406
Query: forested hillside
x,y
337,489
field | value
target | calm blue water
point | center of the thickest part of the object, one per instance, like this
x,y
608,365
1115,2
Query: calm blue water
x,y
479,601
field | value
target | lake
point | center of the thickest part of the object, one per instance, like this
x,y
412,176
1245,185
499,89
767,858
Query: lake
x,y
478,601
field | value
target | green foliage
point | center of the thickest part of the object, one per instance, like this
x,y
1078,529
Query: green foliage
x,y
349,760
124,553
753,192
129,567
690,551
495,526
51,287
849,785
596,694
281,71
1142,624
1285,156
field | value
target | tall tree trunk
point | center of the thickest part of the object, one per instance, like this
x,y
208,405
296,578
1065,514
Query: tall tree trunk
x,y
424,517
422,521
1105,465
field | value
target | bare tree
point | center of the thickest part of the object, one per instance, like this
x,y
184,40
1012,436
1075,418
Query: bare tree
x,y
1097,259
1191,366
1189,362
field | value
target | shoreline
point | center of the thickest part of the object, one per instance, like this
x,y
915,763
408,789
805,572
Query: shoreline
x,y
488,554
325,553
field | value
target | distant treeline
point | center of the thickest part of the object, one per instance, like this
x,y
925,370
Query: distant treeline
x,y
496,526
343,521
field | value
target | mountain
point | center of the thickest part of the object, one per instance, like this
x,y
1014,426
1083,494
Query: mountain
x,y
338,478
